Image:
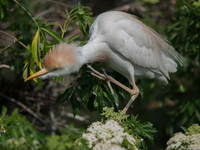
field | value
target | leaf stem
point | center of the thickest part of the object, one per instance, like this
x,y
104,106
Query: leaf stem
x,y
27,13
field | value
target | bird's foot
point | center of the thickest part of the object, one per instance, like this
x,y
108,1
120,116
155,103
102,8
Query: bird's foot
x,y
103,76
98,74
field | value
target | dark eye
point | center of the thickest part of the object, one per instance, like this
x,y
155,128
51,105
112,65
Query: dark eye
x,y
52,70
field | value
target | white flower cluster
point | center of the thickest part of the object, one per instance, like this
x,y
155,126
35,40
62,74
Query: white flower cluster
x,y
190,142
108,136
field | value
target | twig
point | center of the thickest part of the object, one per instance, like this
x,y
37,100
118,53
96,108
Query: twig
x,y
123,8
7,47
4,66
13,38
23,106
59,3
44,13
77,117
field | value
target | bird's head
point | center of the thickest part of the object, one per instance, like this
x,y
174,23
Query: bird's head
x,y
61,60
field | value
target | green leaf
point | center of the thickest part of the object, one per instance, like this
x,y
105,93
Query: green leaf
x,y
58,79
184,106
29,47
182,88
184,129
25,73
32,70
90,104
54,35
80,95
4,2
46,47
96,104
197,113
4,111
141,90
35,47
1,12
127,145
75,104
74,23
147,125
65,96
191,109
86,91
73,38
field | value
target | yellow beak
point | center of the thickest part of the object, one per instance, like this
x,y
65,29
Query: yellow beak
x,y
37,74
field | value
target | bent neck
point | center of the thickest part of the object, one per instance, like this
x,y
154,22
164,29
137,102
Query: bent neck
x,y
91,52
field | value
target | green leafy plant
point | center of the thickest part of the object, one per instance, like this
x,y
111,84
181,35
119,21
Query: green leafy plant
x,y
18,133
64,140
194,129
183,34
111,115
3,3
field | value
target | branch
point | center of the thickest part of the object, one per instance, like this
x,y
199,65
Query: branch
x,y
12,43
4,66
7,47
23,106
124,8
59,3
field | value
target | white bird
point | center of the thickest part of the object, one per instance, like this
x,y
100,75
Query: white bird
x,y
125,44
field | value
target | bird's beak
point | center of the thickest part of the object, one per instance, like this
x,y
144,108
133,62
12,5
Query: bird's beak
x,y
37,74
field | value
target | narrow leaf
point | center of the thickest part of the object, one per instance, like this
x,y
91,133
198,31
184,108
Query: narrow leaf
x,y
35,47
54,35
73,38
1,12
32,70
25,73
75,104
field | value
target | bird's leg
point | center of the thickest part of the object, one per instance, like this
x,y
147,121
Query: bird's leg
x,y
109,85
134,95
103,77
134,92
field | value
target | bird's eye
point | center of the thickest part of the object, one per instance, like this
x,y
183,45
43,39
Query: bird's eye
x,y
52,70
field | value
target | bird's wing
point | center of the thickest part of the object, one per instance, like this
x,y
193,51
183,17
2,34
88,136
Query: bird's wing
x,y
143,46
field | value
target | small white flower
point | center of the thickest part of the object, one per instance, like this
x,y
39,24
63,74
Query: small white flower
x,y
108,136
193,141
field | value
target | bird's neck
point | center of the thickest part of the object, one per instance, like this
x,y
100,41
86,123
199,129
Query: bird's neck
x,y
93,51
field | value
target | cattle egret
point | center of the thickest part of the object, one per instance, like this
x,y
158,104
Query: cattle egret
x,y
125,44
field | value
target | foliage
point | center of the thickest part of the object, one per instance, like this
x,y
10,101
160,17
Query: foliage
x,y
132,126
64,140
18,133
183,34
194,129
3,3
111,115
94,94
152,1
